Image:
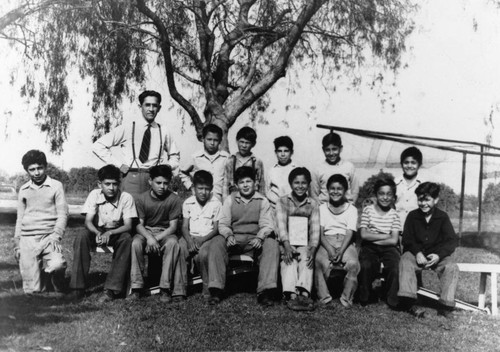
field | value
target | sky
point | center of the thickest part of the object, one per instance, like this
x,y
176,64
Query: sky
x,y
451,85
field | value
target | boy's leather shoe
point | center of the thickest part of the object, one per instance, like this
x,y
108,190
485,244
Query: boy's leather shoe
x,y
107,296
416,312
75,295
165,295
134,295
445,311
215,296
179,299
264,299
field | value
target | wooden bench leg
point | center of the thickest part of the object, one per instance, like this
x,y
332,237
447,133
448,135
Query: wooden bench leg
x,y
494,292
482,290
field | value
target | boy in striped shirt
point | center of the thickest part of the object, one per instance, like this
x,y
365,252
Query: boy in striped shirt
x,y
380,227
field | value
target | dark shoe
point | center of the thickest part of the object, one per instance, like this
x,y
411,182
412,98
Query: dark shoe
x,y
56,294
134,296
165,295
301,304
75,295
179,299
107,296
215,296
445,311
416,312
264,299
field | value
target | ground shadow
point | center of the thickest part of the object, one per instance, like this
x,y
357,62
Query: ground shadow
x,y
486,240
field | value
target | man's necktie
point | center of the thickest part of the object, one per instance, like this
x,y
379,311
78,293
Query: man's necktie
x,y
146,143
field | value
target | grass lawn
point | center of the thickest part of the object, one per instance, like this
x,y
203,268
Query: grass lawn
x,y
238,323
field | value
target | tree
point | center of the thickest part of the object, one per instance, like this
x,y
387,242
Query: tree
x,y
491,199
220,57
449,201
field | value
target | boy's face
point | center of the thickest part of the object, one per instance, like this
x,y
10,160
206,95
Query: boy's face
x,y
385,196
246,187
159,186
109,187
150,108
332,152
284,154
426,203
37,173
336,192
300,186
244,146
202,192
410,166
211,142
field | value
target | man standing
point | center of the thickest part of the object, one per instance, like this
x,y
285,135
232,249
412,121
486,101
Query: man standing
x,y
139,146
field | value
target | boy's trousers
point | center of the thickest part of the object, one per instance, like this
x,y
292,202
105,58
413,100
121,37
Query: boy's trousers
x,y
297,274
323,267
446,269
33,252
211,260
267,257
370,257
120,265
173,271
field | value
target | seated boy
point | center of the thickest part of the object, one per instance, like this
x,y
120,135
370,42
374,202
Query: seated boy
x,y
159,212
333,164
338,221
42,214
246,139
380,227
429,240
246,223
406,199
297,216
210,159
201,234
109,213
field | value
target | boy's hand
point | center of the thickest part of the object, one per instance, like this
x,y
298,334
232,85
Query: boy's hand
x,y
433,259
311,252
198,242
191,244
55,242
152,245
231,241
104,238
421,259
289,252
332,254
124,169
256,242
17,254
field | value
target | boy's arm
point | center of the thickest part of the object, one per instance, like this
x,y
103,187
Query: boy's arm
x,y
21,206
185,175
152,245
173,153
266,225
315,187
89,224
345,243
365,233
225,219
324,242
409,236
282,222
314,226
354,186
391,241
61,210
102,147
187,235
449,241
170,230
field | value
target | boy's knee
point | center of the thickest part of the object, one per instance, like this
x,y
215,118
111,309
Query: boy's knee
x,y
171,244
353,267
56,264
452,268
137,244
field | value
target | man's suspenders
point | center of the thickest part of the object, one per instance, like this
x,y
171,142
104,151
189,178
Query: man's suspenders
x,y
133,146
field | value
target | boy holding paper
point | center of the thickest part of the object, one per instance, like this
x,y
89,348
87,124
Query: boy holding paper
x,y
297,218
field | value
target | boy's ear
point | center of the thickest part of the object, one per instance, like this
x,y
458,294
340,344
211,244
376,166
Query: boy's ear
x,y
150,181
436,200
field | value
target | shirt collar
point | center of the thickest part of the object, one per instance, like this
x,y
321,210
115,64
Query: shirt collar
x,y
291,164
204,153
239,198
145,124
307,200
192,200
101,199
401,179
47,183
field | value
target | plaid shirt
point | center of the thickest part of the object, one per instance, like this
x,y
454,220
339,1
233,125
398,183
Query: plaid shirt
x,y
288,206
234,162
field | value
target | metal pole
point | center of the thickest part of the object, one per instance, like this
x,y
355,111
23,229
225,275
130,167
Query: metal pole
x,y
462,196
480,192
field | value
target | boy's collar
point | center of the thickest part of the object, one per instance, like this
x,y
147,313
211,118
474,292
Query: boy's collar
x,y
238,154
335,163
255,195
47,182
287,164
297,201
102,198
153,195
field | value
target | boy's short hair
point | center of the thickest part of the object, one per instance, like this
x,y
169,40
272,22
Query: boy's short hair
x,y
109,172
331,138
428,189
211,128
283,141
242,172
33,157
298,171
247,133
384,181
149,93
414,152
203,177
339,179
161,170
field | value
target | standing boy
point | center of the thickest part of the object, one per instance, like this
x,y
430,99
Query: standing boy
x,y
406,199
246,223
246,139
210,159
201,234
277,184
159,213
297,216
429,240
334,164
42,213
109,213
380,227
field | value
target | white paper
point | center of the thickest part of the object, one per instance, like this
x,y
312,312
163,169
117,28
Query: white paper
x,y
297,230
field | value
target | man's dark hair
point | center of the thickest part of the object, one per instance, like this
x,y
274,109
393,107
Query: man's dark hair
x,y
331,138
33,157
283,141
414,152
428,189
211,128
160,170
339,179
109,172
384,181
247,133
149,93
297,172
242,172
203,177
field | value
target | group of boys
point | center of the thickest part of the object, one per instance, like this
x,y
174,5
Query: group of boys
x,y
309,221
